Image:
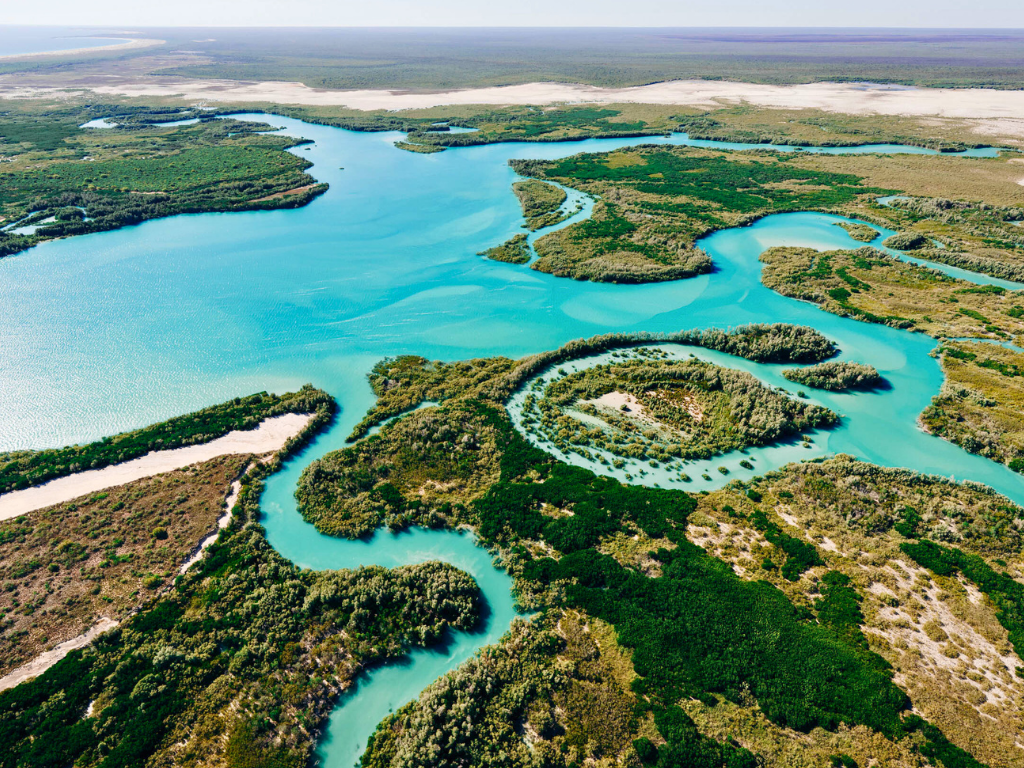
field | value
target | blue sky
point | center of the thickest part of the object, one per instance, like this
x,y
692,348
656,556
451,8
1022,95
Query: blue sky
x,y
613,13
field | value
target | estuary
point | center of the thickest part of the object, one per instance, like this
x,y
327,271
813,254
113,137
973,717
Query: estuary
x,y
105,332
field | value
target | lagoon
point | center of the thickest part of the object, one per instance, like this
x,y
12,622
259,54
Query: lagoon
x,y
110,331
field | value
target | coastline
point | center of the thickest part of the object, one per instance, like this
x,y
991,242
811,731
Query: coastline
x,y
271,435
140,42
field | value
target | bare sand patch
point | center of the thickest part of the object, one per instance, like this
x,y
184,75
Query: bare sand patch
x,y
269,436
616,401
44,661
286,193
944,642
852,98
222,523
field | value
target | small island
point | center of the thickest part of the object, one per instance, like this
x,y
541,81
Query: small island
x,y
648,406
835,376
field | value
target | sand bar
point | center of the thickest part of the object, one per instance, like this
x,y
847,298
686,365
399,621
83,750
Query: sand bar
x,y
270,435
124,46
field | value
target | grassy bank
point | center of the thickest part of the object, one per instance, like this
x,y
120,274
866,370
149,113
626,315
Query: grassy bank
x,y
875,287
102,555
981,401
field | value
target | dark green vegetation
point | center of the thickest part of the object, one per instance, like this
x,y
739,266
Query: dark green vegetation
x,y
835,376
515,251
875,287
240,662
540,202
690,627
982,398
21,469
905,241
102,555
68,181
460,58
664,409
655,203
403,383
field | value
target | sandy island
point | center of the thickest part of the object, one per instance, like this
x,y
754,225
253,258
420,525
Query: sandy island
x,y
269,436
126,45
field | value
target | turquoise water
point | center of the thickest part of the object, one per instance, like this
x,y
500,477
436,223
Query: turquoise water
x,y
18,40
106,332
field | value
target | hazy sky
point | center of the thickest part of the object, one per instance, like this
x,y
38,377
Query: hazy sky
x,y
615,13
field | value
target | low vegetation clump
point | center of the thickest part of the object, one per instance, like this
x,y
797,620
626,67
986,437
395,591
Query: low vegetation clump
x,y
981,401
861,232
64,567
239,664
123,176
540,202
664,410
21,469
869,285
835,376
906,241
561,681
420,469
515,250
654,203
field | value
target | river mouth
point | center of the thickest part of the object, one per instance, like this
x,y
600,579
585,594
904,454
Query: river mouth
x,y
109,331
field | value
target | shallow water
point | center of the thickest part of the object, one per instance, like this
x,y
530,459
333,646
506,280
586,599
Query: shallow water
x,y
102,333
18,40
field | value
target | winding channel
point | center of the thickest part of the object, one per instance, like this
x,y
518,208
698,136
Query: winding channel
x,y
109,331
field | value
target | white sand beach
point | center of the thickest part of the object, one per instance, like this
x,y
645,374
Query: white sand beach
x,y
124,46
269,436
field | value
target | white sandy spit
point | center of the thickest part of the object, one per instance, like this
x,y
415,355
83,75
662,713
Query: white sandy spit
x,y
44,661
124,46
269,436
